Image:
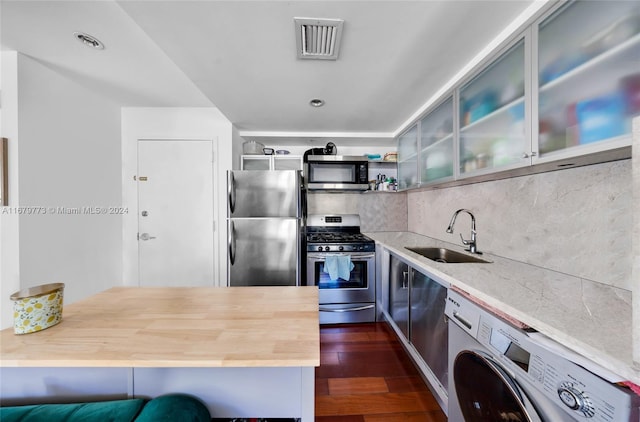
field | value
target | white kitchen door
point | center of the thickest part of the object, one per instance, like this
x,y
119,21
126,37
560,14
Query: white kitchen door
x,y
175,213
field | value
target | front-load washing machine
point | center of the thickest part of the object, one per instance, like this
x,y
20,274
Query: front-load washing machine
x,y
498,372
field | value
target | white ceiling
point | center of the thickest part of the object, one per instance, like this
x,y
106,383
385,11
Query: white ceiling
x,y
240,57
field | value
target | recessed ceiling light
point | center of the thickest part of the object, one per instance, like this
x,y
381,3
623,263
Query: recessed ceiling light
x,y
316,102
89,40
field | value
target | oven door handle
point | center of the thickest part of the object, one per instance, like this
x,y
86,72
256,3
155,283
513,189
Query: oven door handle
x,y
357,308
322,256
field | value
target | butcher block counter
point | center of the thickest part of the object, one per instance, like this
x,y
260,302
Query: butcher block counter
x,y
240,349
170,327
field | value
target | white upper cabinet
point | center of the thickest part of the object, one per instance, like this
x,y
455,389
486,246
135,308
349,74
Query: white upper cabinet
x,y
408,159
437,144
271,162
588,77
561,92
493,130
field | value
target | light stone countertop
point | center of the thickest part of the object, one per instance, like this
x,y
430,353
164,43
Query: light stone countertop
x,y
592,319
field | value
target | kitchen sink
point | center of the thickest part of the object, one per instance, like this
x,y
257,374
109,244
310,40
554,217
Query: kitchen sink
x,y
446,255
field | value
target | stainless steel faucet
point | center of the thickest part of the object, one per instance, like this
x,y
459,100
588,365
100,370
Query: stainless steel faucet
x,y
472,242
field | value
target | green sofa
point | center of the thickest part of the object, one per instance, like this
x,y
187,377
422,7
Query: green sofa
x,y
169,408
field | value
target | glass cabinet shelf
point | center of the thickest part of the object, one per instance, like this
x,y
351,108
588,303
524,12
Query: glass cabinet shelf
x,y
514,111
628,48
435,144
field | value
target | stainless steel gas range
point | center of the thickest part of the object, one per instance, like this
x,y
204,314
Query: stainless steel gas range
x,y
341,262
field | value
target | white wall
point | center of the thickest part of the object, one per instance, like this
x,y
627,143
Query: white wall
x,y
69,157
173,123
9,222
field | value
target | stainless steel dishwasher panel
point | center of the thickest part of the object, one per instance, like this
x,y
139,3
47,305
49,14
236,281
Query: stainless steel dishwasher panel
x,y
429,330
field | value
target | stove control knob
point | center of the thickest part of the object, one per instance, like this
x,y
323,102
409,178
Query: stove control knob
x,y
575,399
320,248
341,248
327,248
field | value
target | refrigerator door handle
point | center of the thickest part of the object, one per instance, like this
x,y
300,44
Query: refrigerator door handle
x,y
232,243
231,191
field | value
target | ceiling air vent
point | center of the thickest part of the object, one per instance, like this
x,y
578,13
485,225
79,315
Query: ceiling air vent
x,y
318,38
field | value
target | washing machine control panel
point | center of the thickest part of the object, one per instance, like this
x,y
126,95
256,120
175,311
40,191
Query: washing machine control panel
x,y
535,361
575,399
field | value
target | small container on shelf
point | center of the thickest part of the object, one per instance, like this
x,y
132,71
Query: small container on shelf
x,y
601,118
252,148
391,156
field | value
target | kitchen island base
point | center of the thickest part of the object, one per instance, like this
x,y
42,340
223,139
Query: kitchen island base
x,y
284,392
243,351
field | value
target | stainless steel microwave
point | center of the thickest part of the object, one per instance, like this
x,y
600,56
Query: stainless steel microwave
x,y
336,172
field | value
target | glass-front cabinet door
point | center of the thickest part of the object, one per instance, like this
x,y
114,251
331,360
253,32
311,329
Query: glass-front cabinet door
x,y
255,162
588,75
437,144
408,159
493,133
287,162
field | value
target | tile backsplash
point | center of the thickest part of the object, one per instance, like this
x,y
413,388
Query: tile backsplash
x,y
576,221
378,211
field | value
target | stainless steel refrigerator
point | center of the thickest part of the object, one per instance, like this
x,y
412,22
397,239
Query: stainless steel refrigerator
x,y
264,228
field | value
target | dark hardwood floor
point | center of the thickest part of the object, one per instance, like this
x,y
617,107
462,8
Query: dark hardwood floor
x,y
366,376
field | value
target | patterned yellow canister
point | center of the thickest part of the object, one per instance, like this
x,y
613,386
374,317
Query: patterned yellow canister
x,y
37,308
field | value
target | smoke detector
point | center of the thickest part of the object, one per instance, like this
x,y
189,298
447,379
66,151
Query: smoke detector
x,y
318,38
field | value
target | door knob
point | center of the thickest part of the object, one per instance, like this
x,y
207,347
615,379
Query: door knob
x,y
145,236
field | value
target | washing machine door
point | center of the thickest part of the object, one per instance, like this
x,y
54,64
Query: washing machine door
x,y
486,392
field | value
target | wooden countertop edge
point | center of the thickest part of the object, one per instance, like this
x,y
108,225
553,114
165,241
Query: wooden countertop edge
x,y
266,363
